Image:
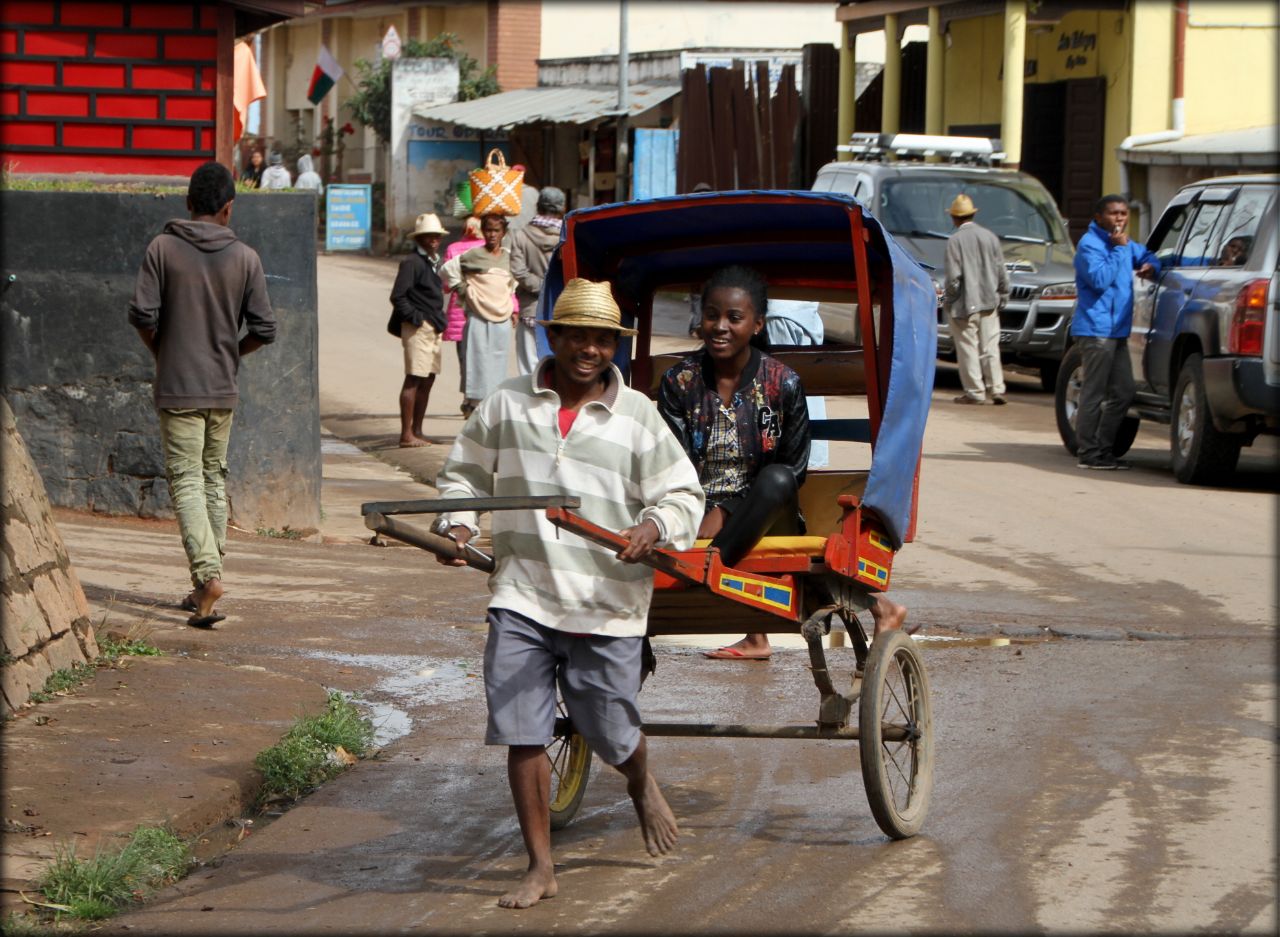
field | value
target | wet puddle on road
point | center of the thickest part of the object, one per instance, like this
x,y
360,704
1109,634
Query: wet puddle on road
x,y
926,641
407,683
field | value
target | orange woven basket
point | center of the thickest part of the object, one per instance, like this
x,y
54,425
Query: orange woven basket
x,y
495,187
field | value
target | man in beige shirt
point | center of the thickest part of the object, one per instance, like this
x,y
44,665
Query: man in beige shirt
x,y
482,278
977,288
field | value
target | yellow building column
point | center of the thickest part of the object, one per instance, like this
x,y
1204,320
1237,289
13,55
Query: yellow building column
x,y
891,101
933,75
1015,55
848,90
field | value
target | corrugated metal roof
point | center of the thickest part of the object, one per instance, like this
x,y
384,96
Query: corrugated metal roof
x,y
572,105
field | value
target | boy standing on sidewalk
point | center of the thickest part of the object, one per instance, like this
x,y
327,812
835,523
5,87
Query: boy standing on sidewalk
x,y
564,607
198,284
417,300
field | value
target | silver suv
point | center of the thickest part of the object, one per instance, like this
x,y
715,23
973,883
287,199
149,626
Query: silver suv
x,y
911,200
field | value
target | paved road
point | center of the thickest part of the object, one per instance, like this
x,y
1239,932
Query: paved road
x,y
1108,764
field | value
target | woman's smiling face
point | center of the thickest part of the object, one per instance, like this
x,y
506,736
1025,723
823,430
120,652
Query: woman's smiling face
x,y
729,321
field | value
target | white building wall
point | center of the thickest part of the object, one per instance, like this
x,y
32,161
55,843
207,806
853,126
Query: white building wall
x,y
590,27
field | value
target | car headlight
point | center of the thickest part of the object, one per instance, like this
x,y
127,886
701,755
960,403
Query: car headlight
x,y
1059,291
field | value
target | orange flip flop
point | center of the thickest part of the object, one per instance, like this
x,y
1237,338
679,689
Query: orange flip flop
x,y
732,653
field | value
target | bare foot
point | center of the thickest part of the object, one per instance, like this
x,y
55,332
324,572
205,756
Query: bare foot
x,y
422,436
889,616
206,597
752,647
413,443
657,822
536,885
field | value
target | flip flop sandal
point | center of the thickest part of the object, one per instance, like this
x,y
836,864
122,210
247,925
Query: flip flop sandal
x,y
187,604
731,653
206,621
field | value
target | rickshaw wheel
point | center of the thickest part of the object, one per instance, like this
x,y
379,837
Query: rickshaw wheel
x,y
570,758
898,774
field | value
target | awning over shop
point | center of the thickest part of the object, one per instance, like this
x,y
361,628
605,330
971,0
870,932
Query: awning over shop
x,y
1255,147
558,105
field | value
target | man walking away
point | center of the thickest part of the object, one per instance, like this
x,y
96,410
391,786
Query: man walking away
x,y
417,301
1105,262
977,288
198,285
531,249
566,611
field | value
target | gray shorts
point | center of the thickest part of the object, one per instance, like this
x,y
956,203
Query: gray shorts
x,y
599,678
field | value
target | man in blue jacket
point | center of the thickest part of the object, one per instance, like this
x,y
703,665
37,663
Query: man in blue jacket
x,y
1105,262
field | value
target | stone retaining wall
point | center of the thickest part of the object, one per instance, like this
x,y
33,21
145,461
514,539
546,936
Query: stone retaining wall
x,y
79,380
45,624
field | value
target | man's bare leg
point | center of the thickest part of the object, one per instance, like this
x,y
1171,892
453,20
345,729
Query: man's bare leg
x,y
408,403
420,404
529,774
888,615
657,822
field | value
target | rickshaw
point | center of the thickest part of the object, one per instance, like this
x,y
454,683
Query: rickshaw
x,y
811,246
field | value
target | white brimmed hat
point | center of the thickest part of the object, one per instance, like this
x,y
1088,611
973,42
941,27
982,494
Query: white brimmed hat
x,y
427,224
589,305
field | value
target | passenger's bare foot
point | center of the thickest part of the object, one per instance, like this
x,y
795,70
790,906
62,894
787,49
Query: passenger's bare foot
x,y
889,616
752,647
657,822
413,442
536,885
422,436
206,597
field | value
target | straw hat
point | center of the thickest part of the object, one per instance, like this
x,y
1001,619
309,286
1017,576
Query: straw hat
x,y
587,304
962,207
428,224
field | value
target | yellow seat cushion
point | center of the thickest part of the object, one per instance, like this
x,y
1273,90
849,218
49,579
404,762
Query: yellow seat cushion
x,y
782,546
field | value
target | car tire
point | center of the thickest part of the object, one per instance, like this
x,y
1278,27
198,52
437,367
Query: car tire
x,y
1066,397
1202,455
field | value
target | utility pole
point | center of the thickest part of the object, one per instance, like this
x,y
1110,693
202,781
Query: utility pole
x,y
621,151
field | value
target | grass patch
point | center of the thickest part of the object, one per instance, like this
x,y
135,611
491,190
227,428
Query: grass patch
x,y
113,647
308,754
63,681
97,888
111,650
284,533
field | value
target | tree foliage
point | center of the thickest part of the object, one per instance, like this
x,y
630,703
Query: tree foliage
x,y
371,105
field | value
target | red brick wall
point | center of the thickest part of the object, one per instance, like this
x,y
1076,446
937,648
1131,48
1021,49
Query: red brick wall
x,y
514,41
107,87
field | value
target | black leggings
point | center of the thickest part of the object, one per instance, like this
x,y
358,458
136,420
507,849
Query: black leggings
x,y
770,499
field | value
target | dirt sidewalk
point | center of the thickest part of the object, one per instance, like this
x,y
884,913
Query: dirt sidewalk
x,y
171,740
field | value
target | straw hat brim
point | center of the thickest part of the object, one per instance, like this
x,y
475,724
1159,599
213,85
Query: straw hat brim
x,y
586,321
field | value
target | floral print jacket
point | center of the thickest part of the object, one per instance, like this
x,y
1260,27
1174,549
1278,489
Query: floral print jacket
x,y
769,405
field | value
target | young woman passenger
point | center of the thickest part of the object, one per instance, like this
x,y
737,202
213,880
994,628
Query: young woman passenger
x,y
741,417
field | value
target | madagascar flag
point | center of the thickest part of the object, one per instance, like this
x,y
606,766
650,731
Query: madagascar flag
x,y
326,75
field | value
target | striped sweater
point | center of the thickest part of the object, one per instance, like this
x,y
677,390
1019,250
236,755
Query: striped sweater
x,y
619,457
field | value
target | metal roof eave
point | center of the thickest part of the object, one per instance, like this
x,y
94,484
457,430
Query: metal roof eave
x,y
559,105
1251,147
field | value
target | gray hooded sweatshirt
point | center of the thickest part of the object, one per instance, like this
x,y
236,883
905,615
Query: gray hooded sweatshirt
x,y
197,286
